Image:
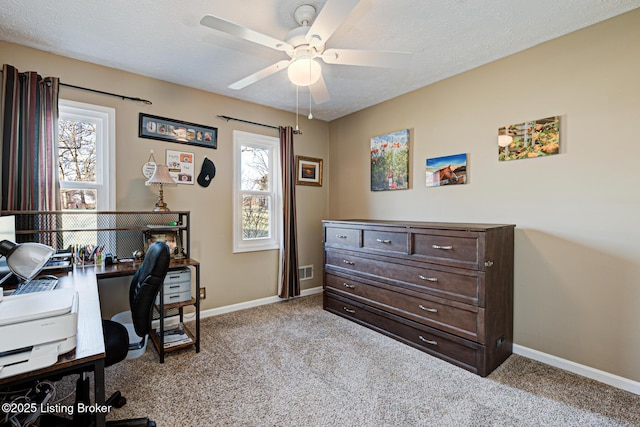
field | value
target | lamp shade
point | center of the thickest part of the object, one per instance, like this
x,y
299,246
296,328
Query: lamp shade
x,y
26,260
161,176
304,72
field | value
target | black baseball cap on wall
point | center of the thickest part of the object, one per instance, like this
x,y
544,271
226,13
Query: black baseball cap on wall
x,y
207,173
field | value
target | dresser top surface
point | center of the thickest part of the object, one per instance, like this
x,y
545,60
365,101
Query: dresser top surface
x,y
418,224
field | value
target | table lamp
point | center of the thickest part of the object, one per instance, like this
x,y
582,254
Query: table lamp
x,y
161,177
26,260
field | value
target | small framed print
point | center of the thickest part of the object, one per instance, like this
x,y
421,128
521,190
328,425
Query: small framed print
x,y
308,171
181,166
170,237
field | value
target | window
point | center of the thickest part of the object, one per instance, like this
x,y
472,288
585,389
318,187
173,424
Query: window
x,y
256,207
86,156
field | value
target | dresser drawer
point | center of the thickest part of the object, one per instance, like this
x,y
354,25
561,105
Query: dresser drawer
x,y
460,319
459,287
386,240
455,350
460,250
343,236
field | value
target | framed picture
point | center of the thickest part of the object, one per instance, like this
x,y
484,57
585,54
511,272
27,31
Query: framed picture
x,y
447,170
308,171
181,166
170,237
163,129
390,161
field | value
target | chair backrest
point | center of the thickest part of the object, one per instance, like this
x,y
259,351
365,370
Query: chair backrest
x,y
145,286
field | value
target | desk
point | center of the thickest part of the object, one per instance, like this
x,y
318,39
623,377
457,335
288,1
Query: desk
x,y
89,352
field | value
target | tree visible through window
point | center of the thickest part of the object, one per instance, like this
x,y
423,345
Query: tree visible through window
x,y
256,192
86,146
77,162
256,216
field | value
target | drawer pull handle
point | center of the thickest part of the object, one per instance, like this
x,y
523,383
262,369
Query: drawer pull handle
x,y
348,262
346,285
341,236
430,310
423,339
428,279
383,241
444,248
348,310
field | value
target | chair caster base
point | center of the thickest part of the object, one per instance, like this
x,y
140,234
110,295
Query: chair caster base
x,y
134,422
116,400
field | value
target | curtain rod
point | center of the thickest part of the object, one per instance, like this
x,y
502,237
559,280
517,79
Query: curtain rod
x,y
128,98
227,118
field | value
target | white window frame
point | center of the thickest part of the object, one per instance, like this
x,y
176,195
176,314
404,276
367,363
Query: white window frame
x,y
105,119
272,144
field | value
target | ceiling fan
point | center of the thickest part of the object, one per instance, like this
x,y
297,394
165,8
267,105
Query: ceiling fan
x,y
305,44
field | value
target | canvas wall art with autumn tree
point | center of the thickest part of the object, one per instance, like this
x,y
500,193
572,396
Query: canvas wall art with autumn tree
x,y
537,138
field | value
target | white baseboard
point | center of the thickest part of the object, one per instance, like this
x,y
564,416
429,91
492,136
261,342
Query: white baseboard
x,y
254,303
576,368
174,320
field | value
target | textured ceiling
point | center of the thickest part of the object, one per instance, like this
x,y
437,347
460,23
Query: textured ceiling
x,y
163,39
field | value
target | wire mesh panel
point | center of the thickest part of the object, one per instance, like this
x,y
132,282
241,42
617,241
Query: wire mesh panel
x,y
117,233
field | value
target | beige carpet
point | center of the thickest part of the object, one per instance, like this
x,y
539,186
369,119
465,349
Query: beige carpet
x,y
293,364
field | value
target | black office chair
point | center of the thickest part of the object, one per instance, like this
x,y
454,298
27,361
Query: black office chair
x,y
143,290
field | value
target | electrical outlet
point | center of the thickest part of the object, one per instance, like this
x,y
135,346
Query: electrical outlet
x,y
203,293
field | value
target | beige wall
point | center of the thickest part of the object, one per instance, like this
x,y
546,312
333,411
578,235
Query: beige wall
x,y
577,248
577,293
229,278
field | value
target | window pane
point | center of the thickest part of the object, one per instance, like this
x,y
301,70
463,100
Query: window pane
x,y
255,169
78,199
77,150
255,217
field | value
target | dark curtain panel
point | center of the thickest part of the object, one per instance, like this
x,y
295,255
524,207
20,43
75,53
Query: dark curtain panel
x,y
29,128
289,279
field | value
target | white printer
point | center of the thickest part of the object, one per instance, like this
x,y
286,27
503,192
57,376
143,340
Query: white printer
x,y
35,328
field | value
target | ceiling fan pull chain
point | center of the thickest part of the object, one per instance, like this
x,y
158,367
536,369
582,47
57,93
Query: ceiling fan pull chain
x,y
310,115
297,88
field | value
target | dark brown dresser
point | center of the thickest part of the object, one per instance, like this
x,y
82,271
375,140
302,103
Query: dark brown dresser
x,y
443,288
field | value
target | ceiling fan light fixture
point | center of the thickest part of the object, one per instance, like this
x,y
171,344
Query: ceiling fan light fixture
x,y
304,72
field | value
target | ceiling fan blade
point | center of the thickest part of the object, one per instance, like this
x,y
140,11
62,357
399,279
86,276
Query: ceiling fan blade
x,y
333,13
367,58
244,33
319,91
265,72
